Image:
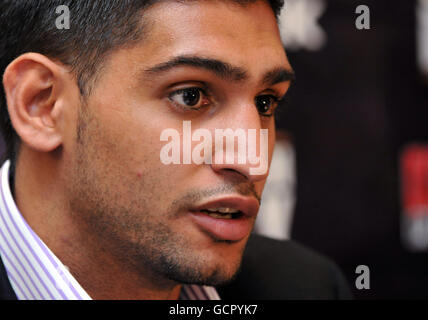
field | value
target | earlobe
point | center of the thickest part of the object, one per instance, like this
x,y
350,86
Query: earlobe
x,y
33,85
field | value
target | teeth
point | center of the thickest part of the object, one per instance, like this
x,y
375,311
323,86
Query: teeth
x,y
223,210
221,216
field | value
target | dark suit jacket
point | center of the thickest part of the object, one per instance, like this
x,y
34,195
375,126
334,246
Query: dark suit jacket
x,y
283,270
271,269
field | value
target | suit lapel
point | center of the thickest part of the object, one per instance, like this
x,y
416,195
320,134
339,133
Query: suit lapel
x,y
6,291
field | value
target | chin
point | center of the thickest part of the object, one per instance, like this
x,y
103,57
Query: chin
x,y
217,277
212,270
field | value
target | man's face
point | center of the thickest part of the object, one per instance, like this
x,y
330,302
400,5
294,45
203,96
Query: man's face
x,y
150,215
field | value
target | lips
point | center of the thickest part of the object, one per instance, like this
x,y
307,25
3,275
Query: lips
x,y
227,218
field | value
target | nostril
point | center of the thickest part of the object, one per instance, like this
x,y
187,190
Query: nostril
x,y
235,176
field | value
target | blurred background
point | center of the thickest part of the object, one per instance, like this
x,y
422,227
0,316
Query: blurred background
x,y
350,172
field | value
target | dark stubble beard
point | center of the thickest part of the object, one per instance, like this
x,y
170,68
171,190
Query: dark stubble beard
x,y
133,231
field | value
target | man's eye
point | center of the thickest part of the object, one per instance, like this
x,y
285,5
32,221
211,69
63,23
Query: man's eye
x,y
265,104
189,98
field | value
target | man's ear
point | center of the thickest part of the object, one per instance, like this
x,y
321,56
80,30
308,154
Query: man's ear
x,y
32,84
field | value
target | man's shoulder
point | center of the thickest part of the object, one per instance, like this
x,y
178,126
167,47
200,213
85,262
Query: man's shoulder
x,y
274,269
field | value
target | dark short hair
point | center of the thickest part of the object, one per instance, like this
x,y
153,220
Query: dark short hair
x,y
98,27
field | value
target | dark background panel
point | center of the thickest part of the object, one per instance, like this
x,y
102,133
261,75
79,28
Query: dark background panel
x,y
355,104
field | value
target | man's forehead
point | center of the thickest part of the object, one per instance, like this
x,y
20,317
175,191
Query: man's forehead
x,y
238,35
173,20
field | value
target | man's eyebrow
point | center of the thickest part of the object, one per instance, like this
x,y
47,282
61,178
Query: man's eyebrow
x,y
278,75
222,69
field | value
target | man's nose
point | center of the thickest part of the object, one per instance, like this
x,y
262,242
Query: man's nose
x,y
241,145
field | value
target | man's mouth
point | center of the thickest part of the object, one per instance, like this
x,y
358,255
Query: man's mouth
x,y
223,213
228,218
